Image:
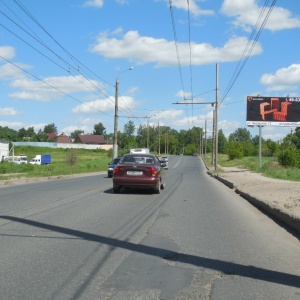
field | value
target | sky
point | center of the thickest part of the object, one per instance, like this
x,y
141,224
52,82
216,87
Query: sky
x,y
61,61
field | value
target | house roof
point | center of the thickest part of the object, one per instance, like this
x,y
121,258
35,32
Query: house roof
x,y
51,135
62,138
90,139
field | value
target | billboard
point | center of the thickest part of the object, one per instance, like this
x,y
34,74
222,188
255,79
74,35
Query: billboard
x,y
275,111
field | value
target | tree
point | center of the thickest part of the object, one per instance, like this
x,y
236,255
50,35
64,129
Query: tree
x,y
30,132
8,134
75,133
272,147
129,128
234,150
99,129
241,134
50,128
41,137
222,142
141,137
22,133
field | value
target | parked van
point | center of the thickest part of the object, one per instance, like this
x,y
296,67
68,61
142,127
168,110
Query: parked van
x,y
140,150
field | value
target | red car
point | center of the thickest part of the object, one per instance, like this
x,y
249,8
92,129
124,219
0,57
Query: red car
x,y
139,171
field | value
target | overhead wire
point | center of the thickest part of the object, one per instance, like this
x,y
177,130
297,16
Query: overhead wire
x,y
249,47
178,56
50,85
71,67
190,48
176,48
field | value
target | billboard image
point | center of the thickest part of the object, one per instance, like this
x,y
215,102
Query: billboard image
x,y
276,111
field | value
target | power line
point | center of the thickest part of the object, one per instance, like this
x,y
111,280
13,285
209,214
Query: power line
x,y
247,52
70,66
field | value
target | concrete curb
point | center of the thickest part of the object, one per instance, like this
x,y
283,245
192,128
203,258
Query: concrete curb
x,y
288,219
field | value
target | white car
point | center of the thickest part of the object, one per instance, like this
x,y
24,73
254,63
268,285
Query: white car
x,y
165,158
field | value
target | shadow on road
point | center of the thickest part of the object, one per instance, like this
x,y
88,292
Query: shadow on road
x,y
208,263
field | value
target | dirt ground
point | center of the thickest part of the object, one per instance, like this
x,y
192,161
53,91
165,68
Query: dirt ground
x,y
281,194
23,180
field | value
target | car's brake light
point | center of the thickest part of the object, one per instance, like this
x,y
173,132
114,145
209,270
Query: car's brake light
x,y
116,170
153,171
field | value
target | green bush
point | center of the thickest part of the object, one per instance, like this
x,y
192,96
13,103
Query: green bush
x,y
71,157
235,150
3,169
289,157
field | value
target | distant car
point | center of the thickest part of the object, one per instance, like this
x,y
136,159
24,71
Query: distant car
x,y
165,158
164,164
111,166
139,171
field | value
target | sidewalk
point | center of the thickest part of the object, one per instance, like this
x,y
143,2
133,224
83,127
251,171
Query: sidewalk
x,y
279,198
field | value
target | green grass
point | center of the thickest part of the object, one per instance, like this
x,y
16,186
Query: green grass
x,y
64,162
88,161
270,166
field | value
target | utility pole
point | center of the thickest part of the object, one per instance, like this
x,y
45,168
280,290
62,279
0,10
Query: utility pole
x,y
205,140
116,117
216,117
201,142
212,139
148,133
115,145
158,140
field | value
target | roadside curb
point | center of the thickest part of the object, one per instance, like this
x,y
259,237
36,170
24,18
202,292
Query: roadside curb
x,y
288,219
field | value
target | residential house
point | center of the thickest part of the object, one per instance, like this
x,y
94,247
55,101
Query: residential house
x,y
90,139
62,138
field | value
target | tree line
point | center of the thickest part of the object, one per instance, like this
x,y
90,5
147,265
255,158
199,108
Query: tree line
x,y
166,140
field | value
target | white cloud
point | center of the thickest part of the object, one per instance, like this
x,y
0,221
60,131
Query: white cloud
x,y
122,1
94,3
105,105
69,129
193,7
7,52
8,111
166,114
12,125
36,126
10,71
143,49
283,79
184,95
229,127
52,87
247,12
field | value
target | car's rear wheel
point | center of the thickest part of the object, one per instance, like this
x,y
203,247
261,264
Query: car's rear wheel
x,y
157,190
116,190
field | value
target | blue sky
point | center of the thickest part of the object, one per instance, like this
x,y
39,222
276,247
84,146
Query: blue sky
x,y
59,61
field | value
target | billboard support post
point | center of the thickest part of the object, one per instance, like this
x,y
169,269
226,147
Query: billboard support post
x,y
260,130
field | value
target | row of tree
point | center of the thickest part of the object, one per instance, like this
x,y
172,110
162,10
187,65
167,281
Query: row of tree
x,y
164,139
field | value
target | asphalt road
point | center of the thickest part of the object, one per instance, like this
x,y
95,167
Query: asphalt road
x,y
76,239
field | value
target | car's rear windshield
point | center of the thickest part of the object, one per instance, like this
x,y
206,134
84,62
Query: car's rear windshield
x,y
138,159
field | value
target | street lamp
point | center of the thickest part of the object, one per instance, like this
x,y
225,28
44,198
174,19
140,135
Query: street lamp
x,y
115,144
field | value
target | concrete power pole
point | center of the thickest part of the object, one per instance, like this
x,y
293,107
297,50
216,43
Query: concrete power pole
x,y
158,140
115,144
216,117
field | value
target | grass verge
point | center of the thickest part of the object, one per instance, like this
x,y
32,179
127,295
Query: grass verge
x,y
64,162
270,166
